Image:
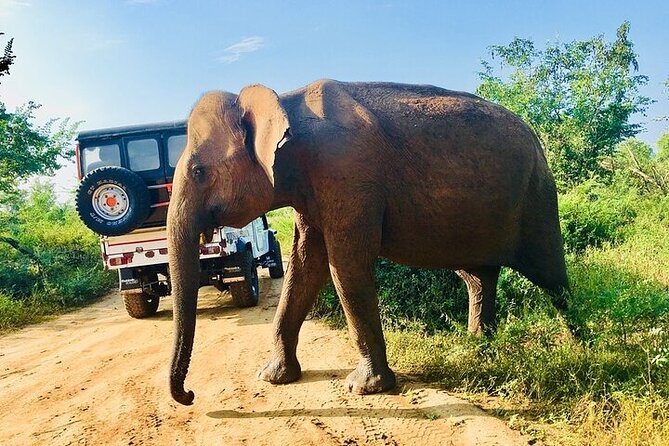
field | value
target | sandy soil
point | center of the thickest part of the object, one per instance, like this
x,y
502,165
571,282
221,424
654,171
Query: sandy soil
x,y
98,377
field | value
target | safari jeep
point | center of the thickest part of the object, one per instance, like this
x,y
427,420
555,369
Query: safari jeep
x,y
125,185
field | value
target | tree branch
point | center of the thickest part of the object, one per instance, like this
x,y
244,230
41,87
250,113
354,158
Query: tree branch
x,y
23,250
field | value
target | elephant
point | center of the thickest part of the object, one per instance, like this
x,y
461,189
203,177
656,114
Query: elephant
x,y
418,174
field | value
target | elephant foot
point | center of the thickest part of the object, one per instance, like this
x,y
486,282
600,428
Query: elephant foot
x,y
482,330
280,371
364,380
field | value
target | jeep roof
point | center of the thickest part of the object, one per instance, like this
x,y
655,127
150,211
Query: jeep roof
x,y
130,130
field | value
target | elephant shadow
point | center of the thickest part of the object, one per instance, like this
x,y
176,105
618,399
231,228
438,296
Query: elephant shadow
x,y
406,382
461,409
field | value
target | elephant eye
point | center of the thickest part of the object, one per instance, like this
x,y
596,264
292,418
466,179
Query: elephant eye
x,y
198,173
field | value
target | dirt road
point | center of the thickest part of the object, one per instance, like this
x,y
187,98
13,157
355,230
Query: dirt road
x,y
98,377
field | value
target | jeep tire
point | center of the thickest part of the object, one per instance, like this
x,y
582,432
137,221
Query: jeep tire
x,y
275,272
245,293
140,305
113,200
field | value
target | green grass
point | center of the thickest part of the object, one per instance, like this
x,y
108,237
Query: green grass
x,y
64,268
281,220
16,313
58,295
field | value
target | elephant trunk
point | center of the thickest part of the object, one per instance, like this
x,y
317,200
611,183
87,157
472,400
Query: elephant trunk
x,y
184,259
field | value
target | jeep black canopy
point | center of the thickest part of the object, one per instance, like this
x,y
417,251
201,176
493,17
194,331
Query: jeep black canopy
x,y
130,130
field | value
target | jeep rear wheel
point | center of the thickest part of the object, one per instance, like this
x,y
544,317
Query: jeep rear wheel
x,y
246,292
113,200
140,305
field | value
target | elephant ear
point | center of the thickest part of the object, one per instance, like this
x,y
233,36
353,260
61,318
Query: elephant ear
x,y
266,125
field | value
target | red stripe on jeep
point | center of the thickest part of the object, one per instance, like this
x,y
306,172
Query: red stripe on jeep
x,y
138,241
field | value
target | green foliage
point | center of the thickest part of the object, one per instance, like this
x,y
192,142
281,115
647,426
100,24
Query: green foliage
x,y
281,220
15,313
577,96
623,418
663,148
635,164
533,357
612,304
48,259
592,214
27,149
436,299
640,150
328,307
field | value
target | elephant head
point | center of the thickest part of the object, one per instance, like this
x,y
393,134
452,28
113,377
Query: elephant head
x,y
224,177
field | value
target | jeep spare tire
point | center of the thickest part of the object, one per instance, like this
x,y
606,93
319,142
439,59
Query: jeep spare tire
x,y
113,200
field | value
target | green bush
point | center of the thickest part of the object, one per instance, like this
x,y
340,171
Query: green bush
x,y
281,220
51,262
592,214
612,303
18,275
436,298
14,313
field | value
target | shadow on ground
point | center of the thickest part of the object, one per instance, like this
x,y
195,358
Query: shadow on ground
x,y
462,409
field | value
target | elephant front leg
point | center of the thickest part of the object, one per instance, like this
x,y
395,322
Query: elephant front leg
x,y
482,289
306,274
352,267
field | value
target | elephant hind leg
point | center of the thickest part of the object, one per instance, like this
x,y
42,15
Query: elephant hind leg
x,y
482,289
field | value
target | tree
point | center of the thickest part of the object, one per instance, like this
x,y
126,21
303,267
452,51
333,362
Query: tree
x,y
663,148
25,148
578,97
8,58
635,164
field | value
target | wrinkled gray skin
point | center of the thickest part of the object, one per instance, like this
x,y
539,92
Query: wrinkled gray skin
x,y
418,174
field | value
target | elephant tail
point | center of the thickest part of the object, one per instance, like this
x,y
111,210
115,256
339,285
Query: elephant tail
x,y
540,255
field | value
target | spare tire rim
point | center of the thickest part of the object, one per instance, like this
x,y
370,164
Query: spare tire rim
x,y
110,202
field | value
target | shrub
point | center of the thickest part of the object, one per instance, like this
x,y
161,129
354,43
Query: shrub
x,y
58,264
593,214
281,220
436,298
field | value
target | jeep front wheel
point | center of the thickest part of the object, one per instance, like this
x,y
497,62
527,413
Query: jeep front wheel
x,y
276,271
140,305
245,293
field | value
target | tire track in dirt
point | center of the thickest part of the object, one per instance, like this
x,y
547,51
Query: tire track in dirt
x,y
96,376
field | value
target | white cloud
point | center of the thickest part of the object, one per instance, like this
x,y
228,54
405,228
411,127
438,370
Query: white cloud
x,y
14,3
235,51
7,7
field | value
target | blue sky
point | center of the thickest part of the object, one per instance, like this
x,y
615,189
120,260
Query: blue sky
x,y
119,62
